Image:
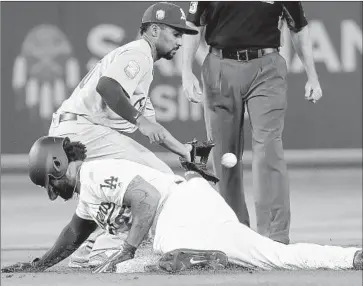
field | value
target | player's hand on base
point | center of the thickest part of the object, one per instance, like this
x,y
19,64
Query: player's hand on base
x,y
153,130
19,267
191,87
313,91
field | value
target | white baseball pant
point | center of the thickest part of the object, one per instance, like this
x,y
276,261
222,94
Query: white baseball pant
x,y
195,216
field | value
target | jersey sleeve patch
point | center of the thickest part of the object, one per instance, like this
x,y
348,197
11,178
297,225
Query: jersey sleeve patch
x,y
132,69
193,7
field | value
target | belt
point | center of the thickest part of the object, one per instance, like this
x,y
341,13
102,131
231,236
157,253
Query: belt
x,y
241,55
58,118
67,117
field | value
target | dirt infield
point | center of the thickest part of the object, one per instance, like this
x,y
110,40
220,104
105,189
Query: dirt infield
x,y
326,209
327,278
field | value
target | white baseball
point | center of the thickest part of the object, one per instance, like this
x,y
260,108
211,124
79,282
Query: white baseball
x,y
229,160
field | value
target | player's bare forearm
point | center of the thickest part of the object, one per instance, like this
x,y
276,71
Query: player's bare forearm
x,y
190,47
71,237
143,198
175,146
303,47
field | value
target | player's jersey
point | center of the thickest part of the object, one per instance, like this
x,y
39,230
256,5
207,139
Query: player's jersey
x,y
132,67
103,185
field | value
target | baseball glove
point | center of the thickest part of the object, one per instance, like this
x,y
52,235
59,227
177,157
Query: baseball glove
x,y
200,150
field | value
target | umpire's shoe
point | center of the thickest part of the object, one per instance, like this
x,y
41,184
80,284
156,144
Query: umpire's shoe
x,y
358,260
184,259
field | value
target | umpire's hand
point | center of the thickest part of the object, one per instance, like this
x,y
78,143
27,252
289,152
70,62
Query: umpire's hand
x,y
313,90
191,87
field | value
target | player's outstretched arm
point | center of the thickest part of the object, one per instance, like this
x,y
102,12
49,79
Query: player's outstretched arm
x,y
71,237
175,146
143,199
171,143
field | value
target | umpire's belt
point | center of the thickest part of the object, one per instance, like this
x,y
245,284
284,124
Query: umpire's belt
x,y
241,55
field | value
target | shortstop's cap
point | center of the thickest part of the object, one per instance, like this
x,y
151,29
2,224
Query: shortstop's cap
x,y
168,14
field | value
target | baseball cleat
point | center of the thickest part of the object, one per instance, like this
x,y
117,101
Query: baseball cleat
x,y
358,260
78,262
184,259
100,257
80,258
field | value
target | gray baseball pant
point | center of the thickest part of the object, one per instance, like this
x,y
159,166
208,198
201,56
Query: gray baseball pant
x,y
230,86
105,143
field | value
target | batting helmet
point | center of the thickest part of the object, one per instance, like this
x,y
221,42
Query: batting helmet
x,y
48,158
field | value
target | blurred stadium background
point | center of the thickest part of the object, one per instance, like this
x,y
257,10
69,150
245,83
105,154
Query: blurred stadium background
x,y
47,47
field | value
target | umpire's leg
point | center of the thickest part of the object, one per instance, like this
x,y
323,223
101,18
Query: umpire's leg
x,y
224,110
266,105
